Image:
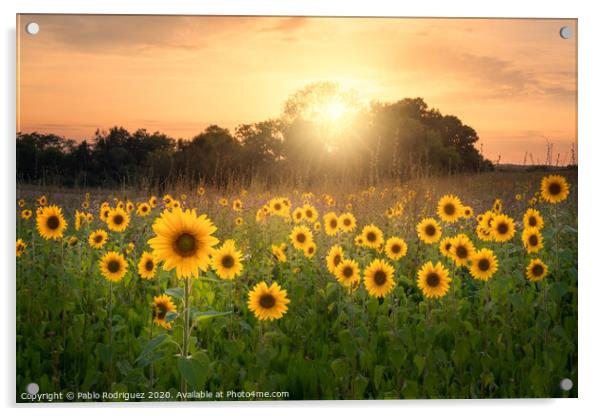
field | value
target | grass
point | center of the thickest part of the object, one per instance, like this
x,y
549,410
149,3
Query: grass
x,y
507,337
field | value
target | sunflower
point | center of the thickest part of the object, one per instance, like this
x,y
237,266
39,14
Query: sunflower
x,y
334,257
162,305
331,223
372,236
395,248
167,200
118,220
50,222
467,212
98,238
103,215
278,206
143,209
86,204
317,226
175,204
429,230
237,205
359,240
301,237
78,220
298,215
73,240
89,217
449,208
462,249
238,221
183,241
433,280
497,206
484,233
347,222
152,201
21,203
502,228
378,278
445,247
113,266
279,252
347,273
268,302
532,240
483,264
533,219
554,188
20,246
129,206
310,250
310,213
147,267
536,270
26,214
227,261
42,201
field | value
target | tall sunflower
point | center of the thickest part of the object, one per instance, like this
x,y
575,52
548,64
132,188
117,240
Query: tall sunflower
x,y
298,215
449,208
433,280
347,273
533,219
502,228
118,220
147,266
268,302
20,247
162,305
301,236
445,247
50,222
554,188
395,248
310,250
143,210
372,236
347,222
334,257
98,238
310,213
227,261
462,249
183,241
429,230
279,252
483,264
378,278
152,201
467,212
113,266
26,214
532,240
331,223
536,270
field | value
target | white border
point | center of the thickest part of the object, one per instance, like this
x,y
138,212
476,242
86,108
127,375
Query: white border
x,y
590,152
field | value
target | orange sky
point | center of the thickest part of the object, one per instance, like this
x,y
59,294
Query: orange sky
x,y
514,81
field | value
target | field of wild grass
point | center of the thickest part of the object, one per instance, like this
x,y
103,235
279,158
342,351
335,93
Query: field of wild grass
x,y
326,293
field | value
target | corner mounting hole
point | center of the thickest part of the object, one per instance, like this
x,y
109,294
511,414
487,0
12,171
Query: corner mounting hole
x,y
565,32
566,384
32,28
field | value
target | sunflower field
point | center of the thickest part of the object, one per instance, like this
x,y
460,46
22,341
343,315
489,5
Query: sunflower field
x,y
458,287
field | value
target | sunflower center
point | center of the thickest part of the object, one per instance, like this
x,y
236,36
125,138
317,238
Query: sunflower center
x,y
429,229
333,223
301,238
185,245
380,277
267,301
554,188
160,311
502,228
347,222
537,270
227,261
53,222
449,209
149,265
98,239
461,252
533,240
337,259
532,221
483,265
118,219
371,236
308,214
432,279
114,266
396,248
348,272
447,246
277,207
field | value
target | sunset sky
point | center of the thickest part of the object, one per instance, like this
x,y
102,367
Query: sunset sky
x,y
514,81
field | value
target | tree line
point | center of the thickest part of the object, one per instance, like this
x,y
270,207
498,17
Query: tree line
x,y
383,141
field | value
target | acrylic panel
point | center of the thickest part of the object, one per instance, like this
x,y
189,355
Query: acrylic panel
x,y
295,208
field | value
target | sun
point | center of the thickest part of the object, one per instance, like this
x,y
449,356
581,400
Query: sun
x,y
335,109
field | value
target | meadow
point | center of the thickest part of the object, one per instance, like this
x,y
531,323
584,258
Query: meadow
x,y
455,287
